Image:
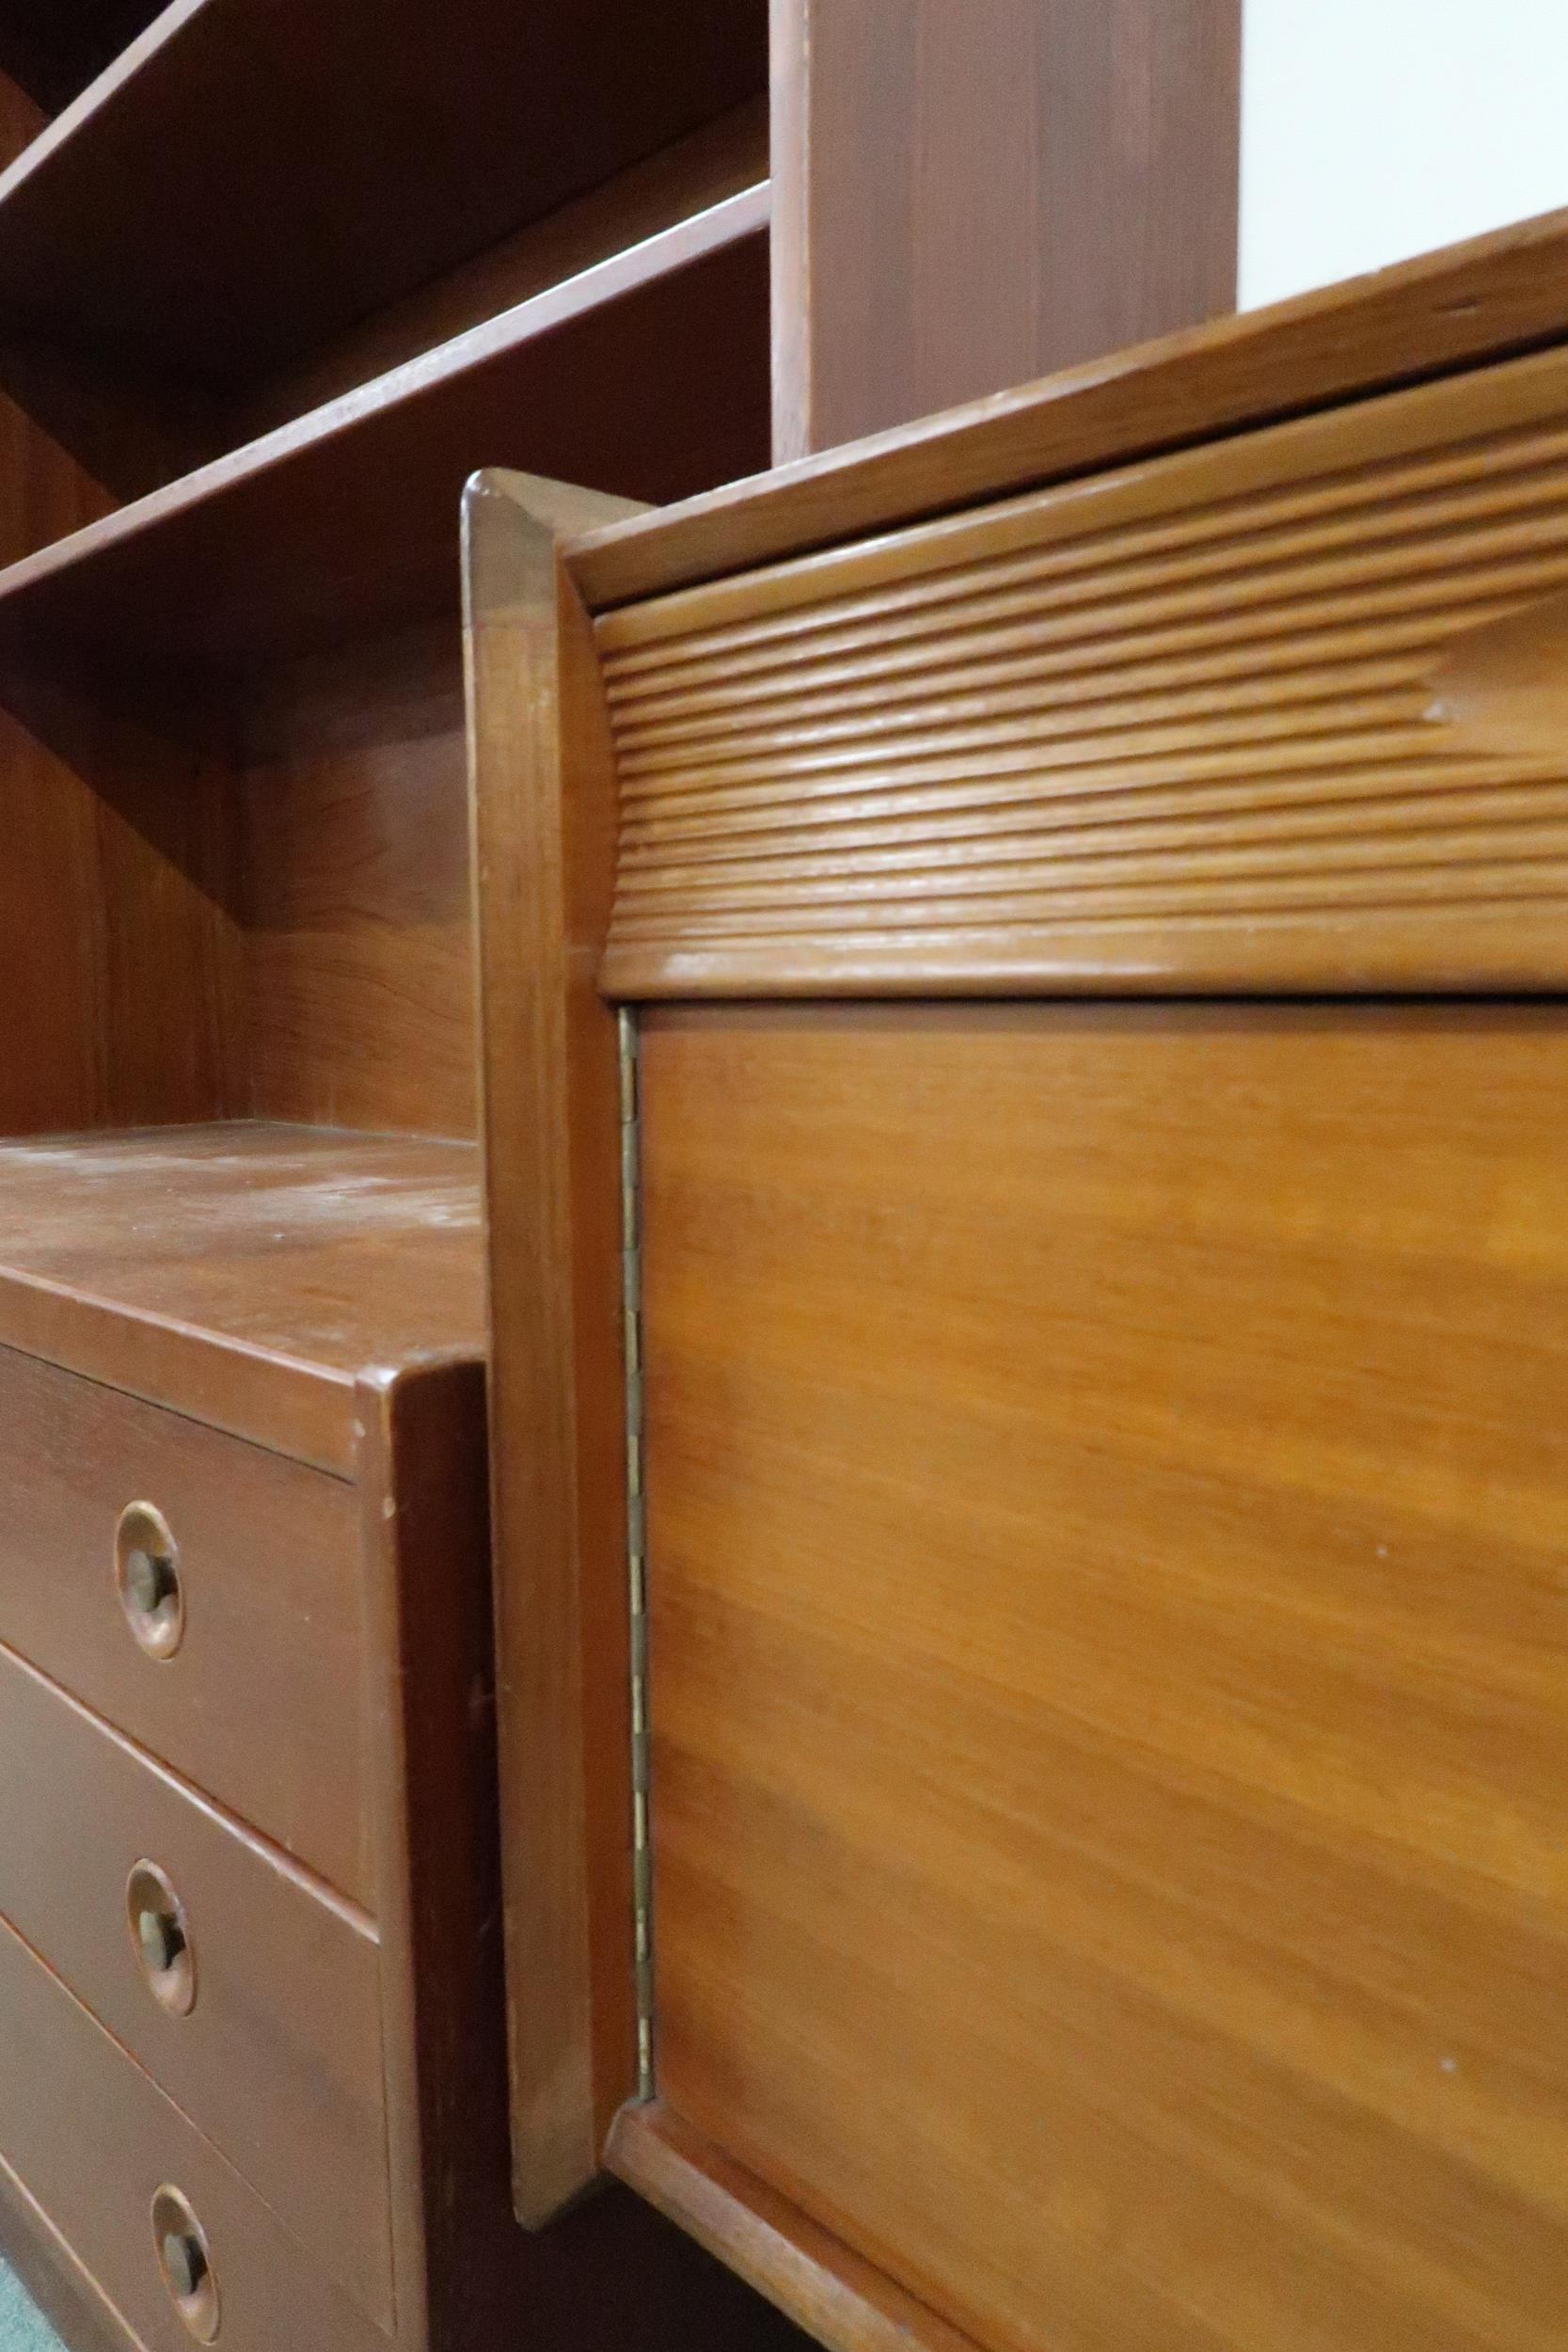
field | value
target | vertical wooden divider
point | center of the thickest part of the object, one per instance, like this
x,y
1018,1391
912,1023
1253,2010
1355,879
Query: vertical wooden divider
x,y
543,801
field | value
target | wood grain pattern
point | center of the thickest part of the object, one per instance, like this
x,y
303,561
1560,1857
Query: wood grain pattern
x,y
724,158
844,2300
279,2062
544,813
1108,1651
1182,726
294,170
242,1273
967,198
612,2272
96,2184
73,1454
1462,307
355,910
344,522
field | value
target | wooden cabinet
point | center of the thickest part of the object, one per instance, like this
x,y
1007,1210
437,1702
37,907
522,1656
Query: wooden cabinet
x,y
1030,1480
276,279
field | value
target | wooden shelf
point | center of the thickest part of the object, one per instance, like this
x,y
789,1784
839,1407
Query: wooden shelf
x,y
252,177
646,375
246,1272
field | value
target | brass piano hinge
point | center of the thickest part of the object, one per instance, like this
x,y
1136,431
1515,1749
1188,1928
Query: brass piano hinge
x,y
631,1299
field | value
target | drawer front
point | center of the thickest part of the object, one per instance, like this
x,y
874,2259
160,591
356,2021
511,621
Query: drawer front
x,y
94,2142
253,2002
1281,712
261,1703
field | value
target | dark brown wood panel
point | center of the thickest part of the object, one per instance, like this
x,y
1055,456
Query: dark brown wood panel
x,y
93,2141
966,197
726,158
279,2058
263,173
242,1273
1105,1471
281,1642
345,523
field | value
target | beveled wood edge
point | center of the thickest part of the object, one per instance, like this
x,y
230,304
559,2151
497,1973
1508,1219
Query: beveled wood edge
x,y
58,2282
543,818
1459,308
424,1557
1505,951
819,2283
279,1401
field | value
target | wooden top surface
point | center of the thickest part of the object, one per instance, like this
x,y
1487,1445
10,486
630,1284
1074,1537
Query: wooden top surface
x,y
245,1274
1462,307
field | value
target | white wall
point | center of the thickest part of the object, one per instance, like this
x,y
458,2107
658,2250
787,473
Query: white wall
x,y
1375,129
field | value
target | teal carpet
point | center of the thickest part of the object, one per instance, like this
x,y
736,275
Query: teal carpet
x,y
23,2327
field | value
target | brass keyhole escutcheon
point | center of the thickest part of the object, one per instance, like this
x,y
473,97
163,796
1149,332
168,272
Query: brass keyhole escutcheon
x,y
161,1937
147,1574
186,2263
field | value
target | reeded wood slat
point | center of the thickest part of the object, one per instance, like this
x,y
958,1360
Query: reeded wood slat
x,y
1248,713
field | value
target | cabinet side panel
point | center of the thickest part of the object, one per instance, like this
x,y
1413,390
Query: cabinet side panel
x,y
969,198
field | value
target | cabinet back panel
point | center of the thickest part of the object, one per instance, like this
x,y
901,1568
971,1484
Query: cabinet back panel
x,y
358,922
1108,1636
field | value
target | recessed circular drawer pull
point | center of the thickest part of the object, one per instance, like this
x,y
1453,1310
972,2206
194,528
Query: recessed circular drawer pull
x,y
186,2263
161,1933
147,1571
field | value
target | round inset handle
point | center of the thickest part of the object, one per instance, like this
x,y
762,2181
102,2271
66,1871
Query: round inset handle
x,y
161,1934
147,1571
186,2263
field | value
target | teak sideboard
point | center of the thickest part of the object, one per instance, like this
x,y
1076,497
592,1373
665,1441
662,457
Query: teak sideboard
x,y
1024,1075
274,277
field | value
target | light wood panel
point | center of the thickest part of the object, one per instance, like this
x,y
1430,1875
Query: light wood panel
x,y
767,2239
968,196
1104,1474
1239,718
280,2059
1458,308
244,1273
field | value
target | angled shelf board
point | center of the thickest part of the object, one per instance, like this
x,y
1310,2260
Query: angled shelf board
x,y
257,207
347,519
297,169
